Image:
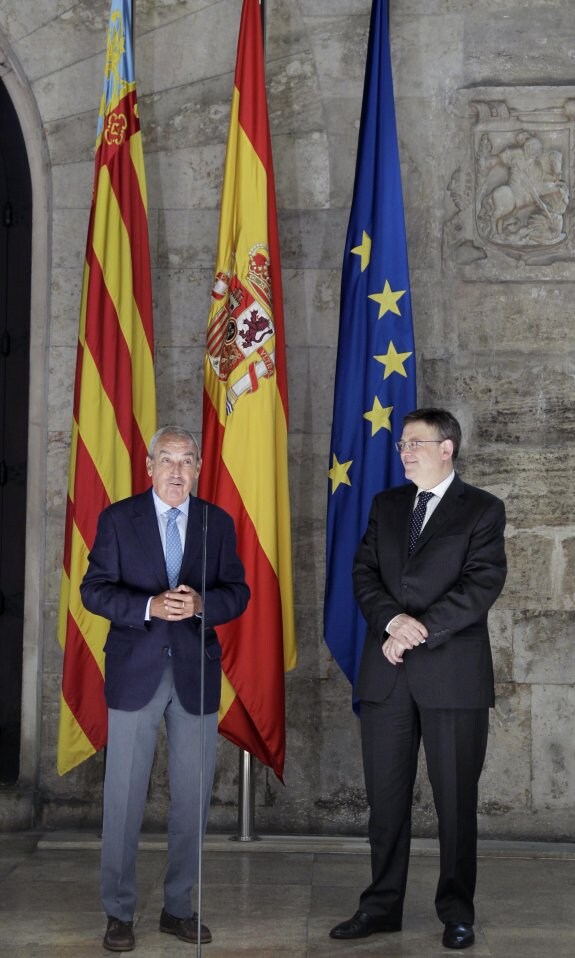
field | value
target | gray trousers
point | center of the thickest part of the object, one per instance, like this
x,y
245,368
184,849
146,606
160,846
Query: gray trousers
x,y
132,740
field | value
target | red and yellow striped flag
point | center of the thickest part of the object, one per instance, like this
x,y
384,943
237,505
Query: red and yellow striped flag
x,y
114,392
245,416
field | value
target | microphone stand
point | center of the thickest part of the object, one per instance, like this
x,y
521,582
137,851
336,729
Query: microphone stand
x,y
202,674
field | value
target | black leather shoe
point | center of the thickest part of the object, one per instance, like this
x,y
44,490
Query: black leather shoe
x,y
362,925
119,935
458,935
186,929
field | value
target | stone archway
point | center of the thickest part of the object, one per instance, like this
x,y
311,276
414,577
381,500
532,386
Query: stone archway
x,y
15,263
17,803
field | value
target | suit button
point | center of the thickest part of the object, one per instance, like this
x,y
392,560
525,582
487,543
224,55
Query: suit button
x,y
165,649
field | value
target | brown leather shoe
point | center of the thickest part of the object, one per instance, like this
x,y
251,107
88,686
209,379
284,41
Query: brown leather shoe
x,y
119,935
186,929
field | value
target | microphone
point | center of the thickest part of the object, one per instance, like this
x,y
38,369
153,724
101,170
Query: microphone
x,y
202,681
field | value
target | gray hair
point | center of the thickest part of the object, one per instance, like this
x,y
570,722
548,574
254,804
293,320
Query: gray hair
x,y
178,431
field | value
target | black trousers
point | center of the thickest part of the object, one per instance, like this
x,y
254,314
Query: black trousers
x,y
455,741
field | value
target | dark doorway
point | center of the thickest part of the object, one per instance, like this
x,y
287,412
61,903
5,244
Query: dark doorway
x,y
15,266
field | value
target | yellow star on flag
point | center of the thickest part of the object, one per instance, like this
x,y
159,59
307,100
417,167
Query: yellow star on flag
x,y
387,300
393,361
338,473
379,416
364,250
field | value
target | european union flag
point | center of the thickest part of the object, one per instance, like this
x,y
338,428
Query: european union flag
x,y
375,374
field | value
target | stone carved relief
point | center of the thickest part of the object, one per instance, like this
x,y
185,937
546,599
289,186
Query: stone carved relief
x,y
512,191
521,196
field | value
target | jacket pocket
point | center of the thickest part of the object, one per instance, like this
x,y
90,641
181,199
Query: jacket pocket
x,y
213,651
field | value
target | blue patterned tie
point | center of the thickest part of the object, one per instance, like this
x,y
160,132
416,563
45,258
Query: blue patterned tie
x,y
173,548
417,518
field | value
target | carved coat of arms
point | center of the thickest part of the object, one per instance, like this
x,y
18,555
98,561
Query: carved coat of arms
x,y
513,191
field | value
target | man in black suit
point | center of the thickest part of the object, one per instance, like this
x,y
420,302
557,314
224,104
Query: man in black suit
x,y
145,576
425,575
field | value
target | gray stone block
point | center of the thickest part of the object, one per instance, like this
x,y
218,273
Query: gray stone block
x,y
506,780
302,170
529,583
180,384
186,238
501,636
311,306
532,45
553,746
311,376
293,104
181,307
312,239
66,295
543,649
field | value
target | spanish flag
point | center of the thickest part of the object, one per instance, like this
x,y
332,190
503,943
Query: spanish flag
x,y
245,416
114,394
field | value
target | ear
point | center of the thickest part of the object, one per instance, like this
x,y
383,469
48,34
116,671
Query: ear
x,y
447,449
149,465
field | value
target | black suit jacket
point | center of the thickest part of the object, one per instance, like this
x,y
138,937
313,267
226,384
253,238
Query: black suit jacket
x,y
126,567
449,583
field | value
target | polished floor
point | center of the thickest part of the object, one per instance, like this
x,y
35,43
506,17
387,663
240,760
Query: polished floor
x,y
279,897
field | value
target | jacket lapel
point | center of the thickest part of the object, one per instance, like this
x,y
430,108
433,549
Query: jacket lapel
x,y
402,515
145,523
192,557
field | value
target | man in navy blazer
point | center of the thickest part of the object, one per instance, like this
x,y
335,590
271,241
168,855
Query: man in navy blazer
x,y
430,566
153,668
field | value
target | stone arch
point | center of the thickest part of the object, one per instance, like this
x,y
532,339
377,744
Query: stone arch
x,y
24,103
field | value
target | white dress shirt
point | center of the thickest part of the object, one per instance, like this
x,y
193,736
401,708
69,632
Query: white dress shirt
x,y
438,494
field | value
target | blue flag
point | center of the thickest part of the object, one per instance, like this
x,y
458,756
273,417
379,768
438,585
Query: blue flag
x,y
375,375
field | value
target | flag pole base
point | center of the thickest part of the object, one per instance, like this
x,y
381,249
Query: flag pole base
x,y
246,800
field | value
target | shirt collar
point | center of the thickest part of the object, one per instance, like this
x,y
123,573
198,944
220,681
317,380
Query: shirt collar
x,y
161,507
441,488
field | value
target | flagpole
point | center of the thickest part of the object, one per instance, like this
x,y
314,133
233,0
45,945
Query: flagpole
x,y
246,779
255,715
246,799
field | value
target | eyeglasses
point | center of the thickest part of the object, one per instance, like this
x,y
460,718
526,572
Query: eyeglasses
x,y
409,445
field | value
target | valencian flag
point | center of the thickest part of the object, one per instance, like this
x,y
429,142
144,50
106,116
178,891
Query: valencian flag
x,y
375,373
114,394
245,416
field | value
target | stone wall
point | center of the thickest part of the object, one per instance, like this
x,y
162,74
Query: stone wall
x,y
484,94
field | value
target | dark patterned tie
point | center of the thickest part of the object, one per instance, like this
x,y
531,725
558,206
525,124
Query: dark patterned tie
x,y
417,518
173,548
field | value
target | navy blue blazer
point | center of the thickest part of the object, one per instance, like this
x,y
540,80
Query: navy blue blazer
x,y
449,582
126,567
